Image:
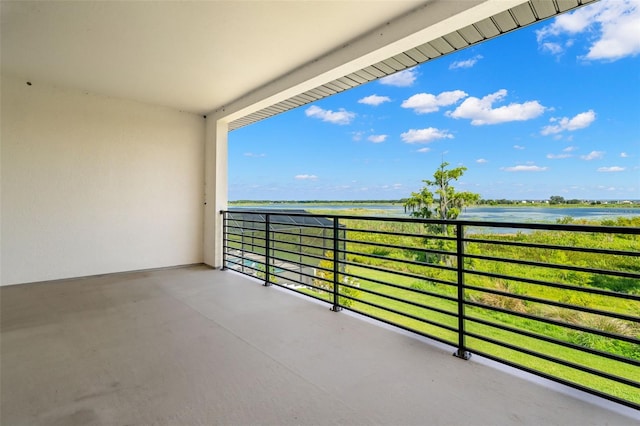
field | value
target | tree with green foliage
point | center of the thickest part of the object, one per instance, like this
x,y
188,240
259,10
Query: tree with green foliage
x,y
449,203
556,199
447,206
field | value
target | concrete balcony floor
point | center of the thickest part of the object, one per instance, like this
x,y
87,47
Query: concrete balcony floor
x,y
195,346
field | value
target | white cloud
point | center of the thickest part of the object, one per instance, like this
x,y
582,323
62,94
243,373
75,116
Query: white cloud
x,y
423,103
580,121
374,100
395,186
403,78
522,168
611,169
593,155
553,48
481,111
252,154
306,177
606,188
624,155
341,116
377,138
558,156
570,149
427,135
481,161
425,149
518,147
613,28
465,64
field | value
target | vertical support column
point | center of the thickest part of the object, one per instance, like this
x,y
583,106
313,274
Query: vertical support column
x,y
300,267
225,241
215,190
336,266
267,249
462,349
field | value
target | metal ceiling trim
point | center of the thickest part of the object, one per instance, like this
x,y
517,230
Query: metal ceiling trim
x,y
517,17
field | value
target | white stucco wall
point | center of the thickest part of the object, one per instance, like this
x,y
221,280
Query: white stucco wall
x,y
94,185
216,189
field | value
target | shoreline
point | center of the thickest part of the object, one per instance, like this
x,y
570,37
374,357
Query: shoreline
x,y
609,205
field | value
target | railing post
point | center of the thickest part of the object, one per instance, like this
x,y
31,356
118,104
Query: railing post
x,y
336,266
267,248
462,348
225,242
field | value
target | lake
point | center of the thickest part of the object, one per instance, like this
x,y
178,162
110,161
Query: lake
x,y
497,214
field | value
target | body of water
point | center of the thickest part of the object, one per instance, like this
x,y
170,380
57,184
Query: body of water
x,y
496,214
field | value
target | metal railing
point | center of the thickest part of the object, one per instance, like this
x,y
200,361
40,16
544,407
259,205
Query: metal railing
x,y
558,301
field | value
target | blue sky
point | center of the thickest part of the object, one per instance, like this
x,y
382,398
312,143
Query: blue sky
x,y
553,109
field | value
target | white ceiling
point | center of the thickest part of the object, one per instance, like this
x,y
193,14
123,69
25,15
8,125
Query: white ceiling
x,y
193,56
260,57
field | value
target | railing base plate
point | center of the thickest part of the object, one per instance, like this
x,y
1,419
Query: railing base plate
x,y
336,308
462,354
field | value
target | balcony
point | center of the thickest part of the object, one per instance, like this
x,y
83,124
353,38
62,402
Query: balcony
x,y
200,346
115,121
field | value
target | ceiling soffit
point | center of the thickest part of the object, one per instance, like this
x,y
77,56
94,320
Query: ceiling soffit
x,y
509,20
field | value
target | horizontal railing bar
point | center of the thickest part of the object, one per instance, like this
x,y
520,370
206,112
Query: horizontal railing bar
x,y
401,234
239,263
244,273
556,285
278,274
555,266
403,327
298,253
473,223
305,254
312,286
565,382
403,314
554,303
255,241
555,360
306,294
554,322
393,246
417,291
307,246
304,245
298,234
241,223
401,300
244,235
554,341
403,261
552,247
401,273
318,268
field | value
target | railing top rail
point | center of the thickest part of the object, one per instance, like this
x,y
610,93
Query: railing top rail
x,y
476,223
